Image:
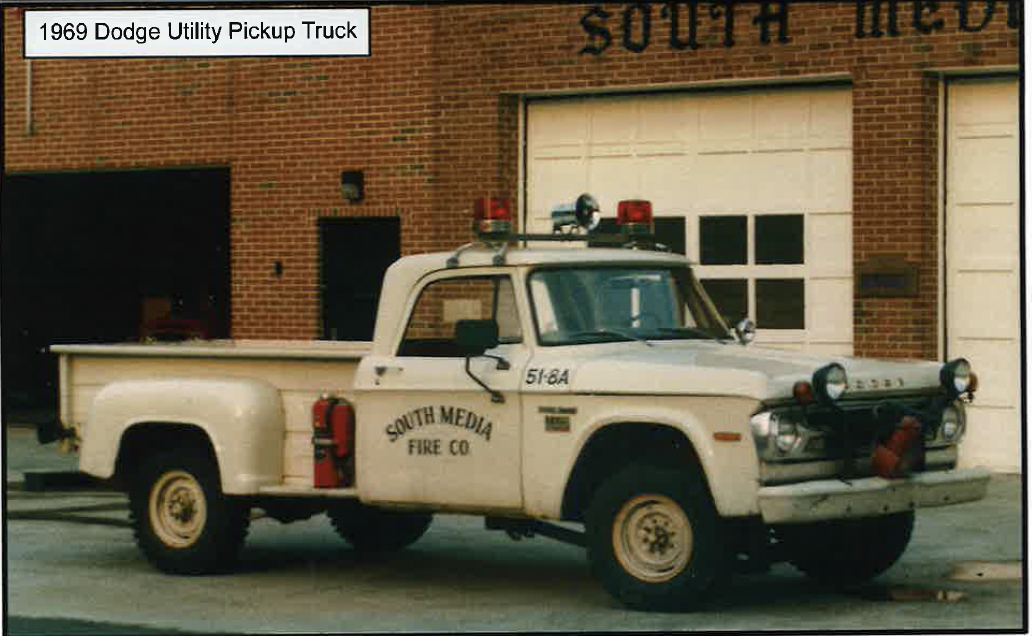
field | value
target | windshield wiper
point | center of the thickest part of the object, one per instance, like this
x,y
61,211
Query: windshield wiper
x,y
610,332
694,331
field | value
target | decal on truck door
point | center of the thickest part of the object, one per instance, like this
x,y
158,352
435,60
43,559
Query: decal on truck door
x,y
424,416
548,377
557,418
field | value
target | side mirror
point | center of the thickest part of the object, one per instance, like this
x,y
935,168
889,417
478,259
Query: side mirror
x,y
476,336
745,330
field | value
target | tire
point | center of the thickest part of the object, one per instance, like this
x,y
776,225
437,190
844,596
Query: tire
x,y
371,529
655,539
850,551
182,521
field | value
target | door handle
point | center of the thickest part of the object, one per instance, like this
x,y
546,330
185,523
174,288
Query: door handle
x,y
381,369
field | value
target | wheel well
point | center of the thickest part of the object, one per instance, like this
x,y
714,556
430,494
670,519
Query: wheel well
x,y
143,439
612,448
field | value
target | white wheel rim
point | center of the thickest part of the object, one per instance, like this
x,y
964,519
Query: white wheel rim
x,y
652,538
178,509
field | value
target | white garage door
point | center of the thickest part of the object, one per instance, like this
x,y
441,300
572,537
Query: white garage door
x,y
762,179
982,262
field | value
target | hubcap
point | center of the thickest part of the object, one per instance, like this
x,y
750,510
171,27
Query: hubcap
x,y
652,538
177,508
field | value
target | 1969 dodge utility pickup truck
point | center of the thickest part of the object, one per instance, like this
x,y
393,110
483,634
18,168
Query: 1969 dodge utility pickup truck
x,y
531,385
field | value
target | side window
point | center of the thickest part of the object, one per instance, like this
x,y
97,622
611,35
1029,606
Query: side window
x,y
431,327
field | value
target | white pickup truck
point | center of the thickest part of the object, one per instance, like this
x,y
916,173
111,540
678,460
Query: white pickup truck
x,y
531,385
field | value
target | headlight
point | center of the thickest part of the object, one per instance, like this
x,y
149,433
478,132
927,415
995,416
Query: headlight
x,y
787,437
830,382
952,423
779,438
763,424
955,377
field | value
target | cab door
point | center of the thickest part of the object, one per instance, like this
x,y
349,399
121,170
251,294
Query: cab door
x,y
429,434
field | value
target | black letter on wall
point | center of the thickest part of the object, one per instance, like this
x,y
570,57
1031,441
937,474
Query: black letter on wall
x,y
962,10
728,11
920,6
766,17
628,26
876,24
1013,14
596,30
673,11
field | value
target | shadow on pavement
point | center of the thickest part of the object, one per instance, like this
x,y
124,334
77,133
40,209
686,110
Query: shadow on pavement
x,y
23,626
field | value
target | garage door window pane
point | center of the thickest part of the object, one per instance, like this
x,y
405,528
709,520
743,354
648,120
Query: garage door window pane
x,y
607,227
670,232
779,239
722,240
730,296
780,303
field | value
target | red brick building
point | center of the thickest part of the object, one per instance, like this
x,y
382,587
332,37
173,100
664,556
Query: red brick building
x,y
844,173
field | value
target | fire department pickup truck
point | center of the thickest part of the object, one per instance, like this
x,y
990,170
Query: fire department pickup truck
x,y
532,384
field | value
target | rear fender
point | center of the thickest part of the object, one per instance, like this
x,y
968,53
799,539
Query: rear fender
x,y
242,418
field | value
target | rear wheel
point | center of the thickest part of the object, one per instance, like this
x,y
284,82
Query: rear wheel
x,y
654,538
848,551
182,521
372,529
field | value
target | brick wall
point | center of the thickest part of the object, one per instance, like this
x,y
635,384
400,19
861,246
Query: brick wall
x,y
433,116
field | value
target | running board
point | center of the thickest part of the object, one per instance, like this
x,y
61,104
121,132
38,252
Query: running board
x,y
308,491
526,528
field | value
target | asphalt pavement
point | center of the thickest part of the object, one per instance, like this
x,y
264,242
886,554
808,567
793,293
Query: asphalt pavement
x,y
73,569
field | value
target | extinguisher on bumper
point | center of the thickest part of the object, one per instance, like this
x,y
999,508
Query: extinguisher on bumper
x,y
333,434
900,452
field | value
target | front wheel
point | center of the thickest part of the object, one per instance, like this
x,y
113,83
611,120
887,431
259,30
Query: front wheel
x,y
182,521
848,551
372,529
654,538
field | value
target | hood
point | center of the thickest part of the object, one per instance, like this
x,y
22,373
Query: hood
x,y
710,368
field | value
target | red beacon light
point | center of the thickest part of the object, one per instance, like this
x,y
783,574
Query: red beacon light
x,y
635,216
491,217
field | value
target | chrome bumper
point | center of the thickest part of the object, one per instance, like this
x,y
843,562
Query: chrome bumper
x,y
869,496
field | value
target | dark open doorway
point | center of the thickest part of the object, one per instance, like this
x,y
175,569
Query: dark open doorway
x,y
94,256
355,254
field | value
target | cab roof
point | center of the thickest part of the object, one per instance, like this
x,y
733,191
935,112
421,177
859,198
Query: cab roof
x,y
404,275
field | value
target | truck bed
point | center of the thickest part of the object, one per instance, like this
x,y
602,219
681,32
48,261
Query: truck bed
x,y
301,370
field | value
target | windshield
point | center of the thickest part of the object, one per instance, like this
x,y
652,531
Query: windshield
x,y
607,304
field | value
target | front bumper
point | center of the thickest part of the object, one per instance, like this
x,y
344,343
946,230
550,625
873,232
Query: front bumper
x,y
870,496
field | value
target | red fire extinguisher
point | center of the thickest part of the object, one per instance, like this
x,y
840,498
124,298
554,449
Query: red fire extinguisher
x,y
333,434
898,453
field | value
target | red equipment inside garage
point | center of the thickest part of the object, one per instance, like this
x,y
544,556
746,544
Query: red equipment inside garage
x,y
108,257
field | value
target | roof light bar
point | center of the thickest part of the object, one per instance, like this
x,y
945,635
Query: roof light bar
x,y
584,214
491,217
635,216
492,225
